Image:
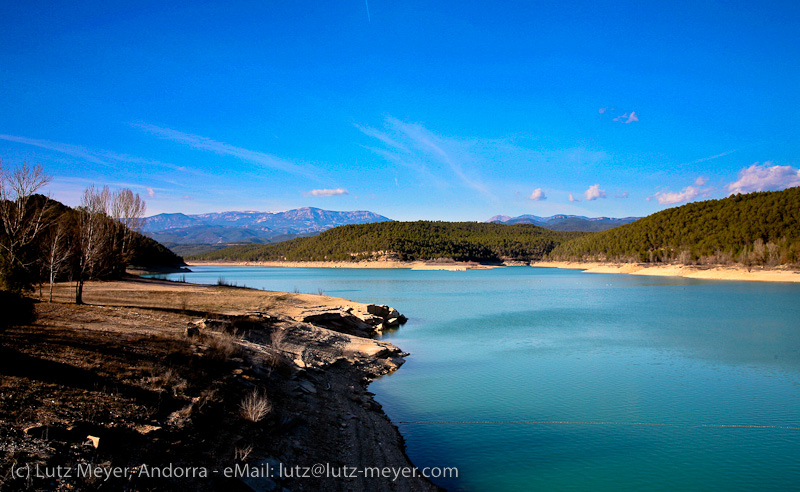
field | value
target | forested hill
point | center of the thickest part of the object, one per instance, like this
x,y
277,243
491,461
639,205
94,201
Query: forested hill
x,y
421,240
757,228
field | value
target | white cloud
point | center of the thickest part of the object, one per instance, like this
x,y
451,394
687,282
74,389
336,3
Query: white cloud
x,y
700,181
572,198
765,178
538,195
327,192
96,156
439,159
69,149
594,192
624,194
672,197
627,118
205,143
151,192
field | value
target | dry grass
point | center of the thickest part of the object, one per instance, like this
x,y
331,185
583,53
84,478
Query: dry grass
x,y
224,345
168,379
255,406
278,339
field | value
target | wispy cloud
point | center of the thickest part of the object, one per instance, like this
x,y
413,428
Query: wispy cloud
x,y
69,149
538,195
572,198
414,146
627,118
624,194
221,148
96,156
619,116
765,177
712,157
150,192
327,192
702,180
594,192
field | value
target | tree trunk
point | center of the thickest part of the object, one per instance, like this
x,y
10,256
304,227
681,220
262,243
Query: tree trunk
x,y
79,292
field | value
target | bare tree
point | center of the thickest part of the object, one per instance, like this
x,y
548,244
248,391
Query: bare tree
x,y
21,220
128,209
93,238
58,252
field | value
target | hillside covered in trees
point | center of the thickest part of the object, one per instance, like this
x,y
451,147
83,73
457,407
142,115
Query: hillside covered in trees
x,y
421,240
754,229
43,241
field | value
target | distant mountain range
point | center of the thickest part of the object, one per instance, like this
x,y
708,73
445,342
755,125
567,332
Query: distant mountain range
x,y
250,227
566,222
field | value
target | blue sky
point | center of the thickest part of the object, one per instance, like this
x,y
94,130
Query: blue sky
x,y
414,110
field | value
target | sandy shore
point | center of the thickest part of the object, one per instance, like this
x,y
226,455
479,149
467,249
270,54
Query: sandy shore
x,y
711,273
410,265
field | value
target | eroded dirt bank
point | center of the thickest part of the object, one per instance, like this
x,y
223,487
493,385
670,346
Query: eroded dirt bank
x,y
155,376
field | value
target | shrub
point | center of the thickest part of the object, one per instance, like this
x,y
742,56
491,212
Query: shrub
x,y
255,406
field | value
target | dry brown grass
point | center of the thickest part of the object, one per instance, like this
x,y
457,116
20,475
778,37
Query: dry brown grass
x,y
278,338
223,345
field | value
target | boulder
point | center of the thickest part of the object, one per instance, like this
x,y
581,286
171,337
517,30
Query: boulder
x,y
378,310
371,319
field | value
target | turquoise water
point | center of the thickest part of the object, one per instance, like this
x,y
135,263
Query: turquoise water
x,y
544,379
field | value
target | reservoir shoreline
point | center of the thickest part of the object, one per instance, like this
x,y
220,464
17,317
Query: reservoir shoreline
x,y
737,273
712,272
155,345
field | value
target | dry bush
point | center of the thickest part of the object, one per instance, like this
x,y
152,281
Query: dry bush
x,y
223,345
168,379
183,300
278,339
240,453
255,406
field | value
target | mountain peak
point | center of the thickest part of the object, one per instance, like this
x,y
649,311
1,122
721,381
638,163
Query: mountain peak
x,y
221,227
563,222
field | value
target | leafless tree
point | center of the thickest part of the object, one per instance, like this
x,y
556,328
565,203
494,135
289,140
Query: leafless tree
x,y
21,221
58,252
128,209
93,239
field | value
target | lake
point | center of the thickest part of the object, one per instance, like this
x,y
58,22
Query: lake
x,y
557,380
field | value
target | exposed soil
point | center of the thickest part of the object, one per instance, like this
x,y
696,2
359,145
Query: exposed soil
x,y
152,374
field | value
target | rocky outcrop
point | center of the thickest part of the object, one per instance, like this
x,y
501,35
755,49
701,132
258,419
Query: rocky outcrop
x,y
366,320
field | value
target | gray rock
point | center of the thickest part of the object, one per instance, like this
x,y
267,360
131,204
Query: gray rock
x,y
308,387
